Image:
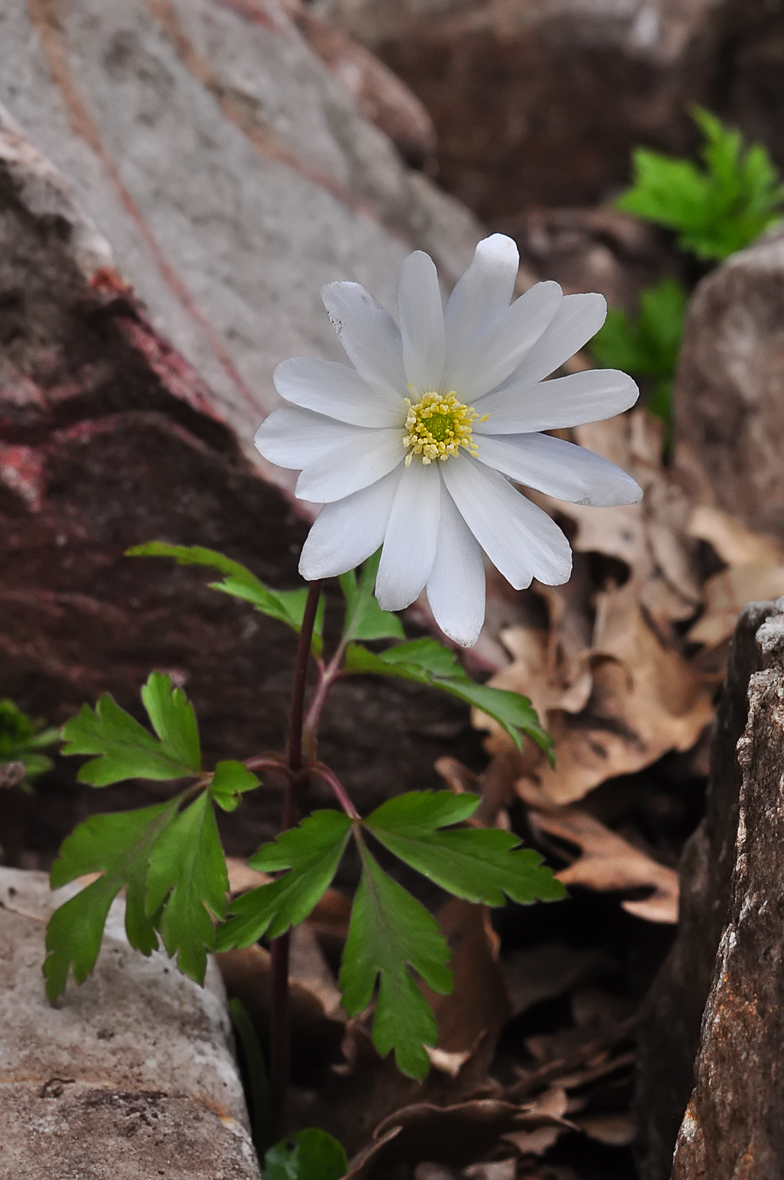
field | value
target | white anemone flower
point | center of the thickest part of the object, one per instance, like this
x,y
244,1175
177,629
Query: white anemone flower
x,y
417,447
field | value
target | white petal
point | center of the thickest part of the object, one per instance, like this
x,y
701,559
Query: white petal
x,y
499,350
421,322
411,536
291,437
565,401
577,320
369,335
456,586
479,298
352,465
335,390
521,541
559,468
348,532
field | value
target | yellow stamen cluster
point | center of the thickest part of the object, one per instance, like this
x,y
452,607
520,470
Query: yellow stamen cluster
x,y
438,426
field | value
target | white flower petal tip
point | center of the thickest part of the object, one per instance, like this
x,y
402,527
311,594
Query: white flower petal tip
x,y
465,636
560,469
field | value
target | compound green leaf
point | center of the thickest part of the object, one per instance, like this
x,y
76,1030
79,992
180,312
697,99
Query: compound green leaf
x,y
311,1154
229,781
287,606
511,710
20,740
389,932
364,617
647,345
125,748
425,661
117,846
187,877
479,864
311,852
716,206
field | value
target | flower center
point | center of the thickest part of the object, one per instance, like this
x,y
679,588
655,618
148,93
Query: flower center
x,y
438,426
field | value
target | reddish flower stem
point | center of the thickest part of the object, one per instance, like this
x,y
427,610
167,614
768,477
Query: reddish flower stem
x,y
280,1015
322,771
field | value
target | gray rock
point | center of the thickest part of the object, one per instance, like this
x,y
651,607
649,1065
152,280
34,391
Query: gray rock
x,y
670,1036
231,172
131,1075
747,86
729,388
734,1123
109,438
539,102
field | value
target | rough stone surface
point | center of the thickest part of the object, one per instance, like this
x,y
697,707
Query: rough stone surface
x,y
131,1076
108,438
748,84
734,1123
231,172
380,95
670,1024
538,102
729,388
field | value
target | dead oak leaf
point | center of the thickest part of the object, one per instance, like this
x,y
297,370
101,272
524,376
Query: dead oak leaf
x,y
645,700
609,863
454,1135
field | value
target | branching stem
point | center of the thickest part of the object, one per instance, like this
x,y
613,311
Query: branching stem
x,y
322,771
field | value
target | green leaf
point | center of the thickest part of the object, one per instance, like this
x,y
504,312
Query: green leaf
x,y
364,617
389,932
478,864
311,1154
255,1073
511,710
229,781
20,739
187,876
716,206
287,606
126,748
117,846
648,344
311,852
173,719
426,661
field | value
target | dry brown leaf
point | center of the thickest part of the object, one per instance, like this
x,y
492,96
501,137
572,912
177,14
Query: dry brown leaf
x,y
496,1170
308,966
607,863
478,1004
242,878
733,542
755,571
455,1135
428,1171
547,971
616,1130
539,1141
316,1035
726,594
644,700
549,684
